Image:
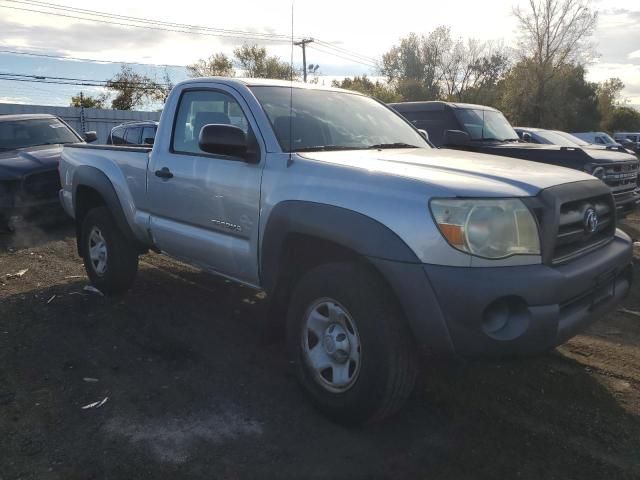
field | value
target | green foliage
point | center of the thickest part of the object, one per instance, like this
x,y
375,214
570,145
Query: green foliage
x,y
365,85
623,119
411,67
570,102
252,60
132,89
256,63
88,101
217,65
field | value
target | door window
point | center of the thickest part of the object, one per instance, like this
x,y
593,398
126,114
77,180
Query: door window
x,y
117,136
148,135
132,137
200,108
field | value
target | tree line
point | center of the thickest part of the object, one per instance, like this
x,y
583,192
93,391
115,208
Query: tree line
x,y
539,83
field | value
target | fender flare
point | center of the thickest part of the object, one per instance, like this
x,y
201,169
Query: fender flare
x,y
87,176
347,228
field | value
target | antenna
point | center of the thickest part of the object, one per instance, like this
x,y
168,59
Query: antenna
x,y
290,159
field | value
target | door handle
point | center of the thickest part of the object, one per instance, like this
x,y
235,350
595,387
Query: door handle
x,y
164,173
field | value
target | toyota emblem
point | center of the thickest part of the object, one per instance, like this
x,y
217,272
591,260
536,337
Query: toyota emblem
x,y
590,220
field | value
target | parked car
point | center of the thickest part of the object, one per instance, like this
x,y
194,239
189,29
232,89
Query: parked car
x,y
133,134
564,139
598,138
629,139
482,129
30,148
372,244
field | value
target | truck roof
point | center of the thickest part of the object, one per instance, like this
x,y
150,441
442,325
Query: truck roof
x,y
25,116
265,82
436,105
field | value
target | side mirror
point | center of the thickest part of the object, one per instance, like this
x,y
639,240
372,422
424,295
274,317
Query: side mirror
x,y
148,141
456,138
222,139
90,136
424,133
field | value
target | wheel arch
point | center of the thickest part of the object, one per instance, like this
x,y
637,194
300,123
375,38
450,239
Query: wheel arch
x,y
92,188
342,231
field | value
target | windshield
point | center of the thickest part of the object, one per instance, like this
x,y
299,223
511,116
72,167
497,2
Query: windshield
x,y
33,132
607,139
329,120
572,138
486,125
560,138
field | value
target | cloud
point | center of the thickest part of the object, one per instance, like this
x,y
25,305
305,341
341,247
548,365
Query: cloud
x,y
618,36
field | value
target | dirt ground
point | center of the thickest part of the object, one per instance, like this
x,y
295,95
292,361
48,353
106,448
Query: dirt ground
x,y
195,391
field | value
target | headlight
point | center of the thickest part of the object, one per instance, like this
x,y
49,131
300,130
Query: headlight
x,y
491,228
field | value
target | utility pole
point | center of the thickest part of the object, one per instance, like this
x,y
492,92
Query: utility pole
x,y
82,119
303,43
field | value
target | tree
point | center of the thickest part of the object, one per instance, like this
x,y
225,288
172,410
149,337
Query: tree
x,y
376,89
608,100
132,89
553,35
87,101
412,67
217,65
623,119
571,103
438,66
256,63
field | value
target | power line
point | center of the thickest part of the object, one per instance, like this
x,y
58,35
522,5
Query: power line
x,y
140,26
335,54
177,28
91,60
347,52
57,6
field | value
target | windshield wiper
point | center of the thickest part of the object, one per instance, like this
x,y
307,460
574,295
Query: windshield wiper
x,y
327,148
391,145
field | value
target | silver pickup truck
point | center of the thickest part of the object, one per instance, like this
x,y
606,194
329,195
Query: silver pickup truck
x,y
373,247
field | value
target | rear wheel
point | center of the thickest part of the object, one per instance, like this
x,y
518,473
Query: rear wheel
x,y
350,344
110,260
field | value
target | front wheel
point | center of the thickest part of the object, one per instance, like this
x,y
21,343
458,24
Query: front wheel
x,y
109,258
350,344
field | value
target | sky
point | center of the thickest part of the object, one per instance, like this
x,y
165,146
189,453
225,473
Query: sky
x,y
363,28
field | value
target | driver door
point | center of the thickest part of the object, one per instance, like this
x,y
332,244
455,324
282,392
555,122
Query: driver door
x,y
204,207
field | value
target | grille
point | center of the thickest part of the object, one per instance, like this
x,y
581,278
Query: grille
x,y
622,179
42,185
573,237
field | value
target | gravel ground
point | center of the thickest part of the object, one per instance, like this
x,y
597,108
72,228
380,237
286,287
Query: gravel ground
x,y
195,390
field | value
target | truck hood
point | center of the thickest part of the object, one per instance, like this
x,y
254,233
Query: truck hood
x,y
14,164
597,153
460,173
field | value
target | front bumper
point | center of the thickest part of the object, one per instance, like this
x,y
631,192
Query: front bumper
x,y
13,212
510,310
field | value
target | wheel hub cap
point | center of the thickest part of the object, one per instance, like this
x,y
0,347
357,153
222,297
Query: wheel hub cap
x,y
336,343
98,251
331,345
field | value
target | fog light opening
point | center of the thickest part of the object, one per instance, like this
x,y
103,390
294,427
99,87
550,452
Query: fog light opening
x,y
506,319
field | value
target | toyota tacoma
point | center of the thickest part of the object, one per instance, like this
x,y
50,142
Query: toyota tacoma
x,y
372,247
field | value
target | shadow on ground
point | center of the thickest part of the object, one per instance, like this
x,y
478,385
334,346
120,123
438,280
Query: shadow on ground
x,y
194,391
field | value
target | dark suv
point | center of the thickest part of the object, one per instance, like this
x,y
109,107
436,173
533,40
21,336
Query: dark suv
x,y
477,128
134,134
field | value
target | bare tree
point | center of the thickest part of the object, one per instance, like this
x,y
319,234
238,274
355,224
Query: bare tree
x,y
553,35
553,32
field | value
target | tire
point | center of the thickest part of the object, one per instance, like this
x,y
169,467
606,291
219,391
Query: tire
x,y
356,307
116,270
